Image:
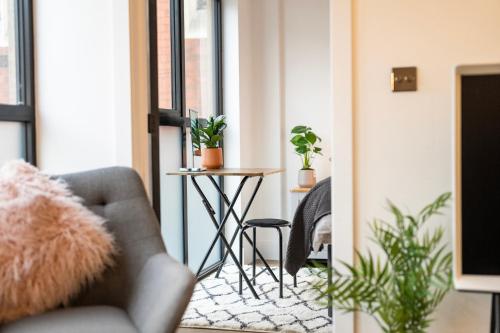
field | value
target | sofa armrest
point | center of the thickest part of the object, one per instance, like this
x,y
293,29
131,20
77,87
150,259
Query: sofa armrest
x,y
160,295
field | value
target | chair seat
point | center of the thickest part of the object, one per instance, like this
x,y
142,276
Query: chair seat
x,y
86,319
267,223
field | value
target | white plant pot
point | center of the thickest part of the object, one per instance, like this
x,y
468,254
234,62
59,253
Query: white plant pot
x,y
307,178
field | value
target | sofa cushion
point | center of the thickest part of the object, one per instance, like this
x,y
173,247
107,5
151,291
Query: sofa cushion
x,y
117,194
50,244
88,319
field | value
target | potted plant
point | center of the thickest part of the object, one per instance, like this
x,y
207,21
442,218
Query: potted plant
x,y
305,140
402,290
211,137
196,136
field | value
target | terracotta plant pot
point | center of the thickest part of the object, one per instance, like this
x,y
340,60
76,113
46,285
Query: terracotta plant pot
x,y
307,178
211,158
197,152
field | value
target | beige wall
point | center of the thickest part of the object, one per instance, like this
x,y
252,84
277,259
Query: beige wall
x,y
403,141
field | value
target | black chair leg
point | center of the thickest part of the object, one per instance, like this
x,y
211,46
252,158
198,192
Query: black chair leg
x,y
254,258
281,261
241,261
295,276
254,254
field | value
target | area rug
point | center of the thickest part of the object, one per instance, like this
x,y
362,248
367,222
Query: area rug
x,y
216,304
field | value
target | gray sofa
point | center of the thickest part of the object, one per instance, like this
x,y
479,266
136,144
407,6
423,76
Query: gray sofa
x,y
146,292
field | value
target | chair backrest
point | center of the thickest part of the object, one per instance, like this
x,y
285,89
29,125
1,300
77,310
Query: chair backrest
x,y
118,195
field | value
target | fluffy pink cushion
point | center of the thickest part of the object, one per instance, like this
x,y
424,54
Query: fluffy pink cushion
x,y
50,244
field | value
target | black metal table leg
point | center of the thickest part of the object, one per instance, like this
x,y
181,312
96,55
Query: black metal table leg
x,y
235,216
240,225
211,213
220,228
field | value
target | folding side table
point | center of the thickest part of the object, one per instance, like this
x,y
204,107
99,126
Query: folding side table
x,y
245,174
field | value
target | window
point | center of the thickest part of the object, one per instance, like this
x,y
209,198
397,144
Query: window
x,y
185,73
17,115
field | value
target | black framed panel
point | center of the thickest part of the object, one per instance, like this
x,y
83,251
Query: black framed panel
x,y
24,110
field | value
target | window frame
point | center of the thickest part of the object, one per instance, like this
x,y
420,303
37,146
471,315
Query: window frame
x,y
24,112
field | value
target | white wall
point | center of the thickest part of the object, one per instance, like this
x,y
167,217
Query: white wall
x,y
82,84
403,140
307,79
261,116
282,80
252,99
231,81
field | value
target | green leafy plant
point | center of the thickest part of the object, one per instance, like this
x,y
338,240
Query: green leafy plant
x,y
305,140
401,293
211,133
196,134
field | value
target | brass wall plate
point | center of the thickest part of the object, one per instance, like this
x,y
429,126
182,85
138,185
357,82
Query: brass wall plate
x,y
404,79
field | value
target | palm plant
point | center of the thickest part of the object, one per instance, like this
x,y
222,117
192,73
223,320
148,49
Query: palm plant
x,y
402,291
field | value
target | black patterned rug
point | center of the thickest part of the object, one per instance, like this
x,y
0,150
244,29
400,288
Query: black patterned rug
x,y
217,305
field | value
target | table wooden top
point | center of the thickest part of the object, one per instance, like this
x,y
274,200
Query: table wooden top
x,y
251,172
300,189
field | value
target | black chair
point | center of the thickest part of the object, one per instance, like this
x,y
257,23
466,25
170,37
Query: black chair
x,y
264,223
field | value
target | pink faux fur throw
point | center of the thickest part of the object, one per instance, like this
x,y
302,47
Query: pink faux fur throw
x,y
50,244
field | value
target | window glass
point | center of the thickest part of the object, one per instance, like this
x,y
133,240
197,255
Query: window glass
x,y
199,56
164,54
171,191
12,141
8,56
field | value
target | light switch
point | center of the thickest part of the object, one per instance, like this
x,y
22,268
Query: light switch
x,y
404,79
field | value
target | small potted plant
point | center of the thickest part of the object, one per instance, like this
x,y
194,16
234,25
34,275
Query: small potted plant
x,y
211,136
305,142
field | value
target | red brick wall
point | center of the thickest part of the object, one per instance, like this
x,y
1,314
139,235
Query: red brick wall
x,y
192,70
193,80
164,54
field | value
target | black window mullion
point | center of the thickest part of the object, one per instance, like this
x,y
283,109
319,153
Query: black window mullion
x,y
177,56
27,76
218,47
219,97
29,58
19,9
24,111
179,102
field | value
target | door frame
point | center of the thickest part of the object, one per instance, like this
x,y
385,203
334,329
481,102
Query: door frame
x,y
343,166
